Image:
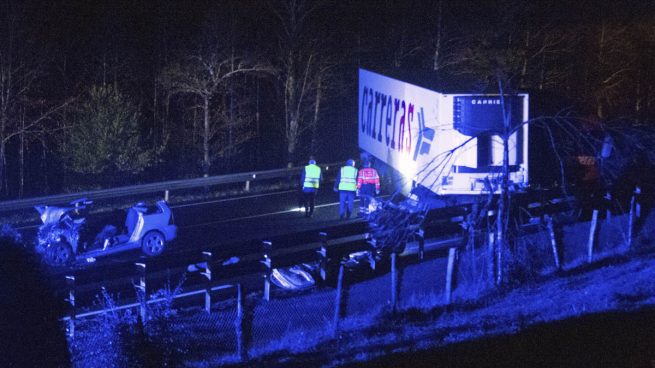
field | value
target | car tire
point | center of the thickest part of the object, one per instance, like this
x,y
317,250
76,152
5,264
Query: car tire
x,y
59,254
153,243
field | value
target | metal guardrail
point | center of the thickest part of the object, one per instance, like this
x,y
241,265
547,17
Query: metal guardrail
x,y
164,187
324,248
332,247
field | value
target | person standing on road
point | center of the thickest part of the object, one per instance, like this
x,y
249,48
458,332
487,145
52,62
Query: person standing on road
x,y
368,186
310,180
346,185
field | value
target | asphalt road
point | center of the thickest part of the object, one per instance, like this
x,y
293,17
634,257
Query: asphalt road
x,y
232,228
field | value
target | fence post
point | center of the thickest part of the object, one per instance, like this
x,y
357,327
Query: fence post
x,y
449,274
141,270
241,349
373,244
607,199
322,256
268,265
490,256
553,240
394,282
421,244
207,258
637,193
166,195
592,232
70,281
247,187
337,302
635,210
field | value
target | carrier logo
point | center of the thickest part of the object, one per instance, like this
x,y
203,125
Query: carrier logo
x,y
387,119
425,137
485,101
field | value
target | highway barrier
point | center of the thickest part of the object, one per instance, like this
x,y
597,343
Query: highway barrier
x,y
165,188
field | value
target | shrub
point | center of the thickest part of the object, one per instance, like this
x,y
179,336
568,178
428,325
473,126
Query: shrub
x,y
119,338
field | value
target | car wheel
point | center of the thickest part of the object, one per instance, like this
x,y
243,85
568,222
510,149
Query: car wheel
x,y
153,243
59,254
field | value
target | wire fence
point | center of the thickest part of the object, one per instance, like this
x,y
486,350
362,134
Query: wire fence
x,y
240,327
213,333
282,322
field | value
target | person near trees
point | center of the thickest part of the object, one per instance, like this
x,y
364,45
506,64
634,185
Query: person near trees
x,y
310,180
346,186
368,186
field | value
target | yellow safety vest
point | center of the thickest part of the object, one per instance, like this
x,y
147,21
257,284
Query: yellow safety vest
x,y
348,178
312,176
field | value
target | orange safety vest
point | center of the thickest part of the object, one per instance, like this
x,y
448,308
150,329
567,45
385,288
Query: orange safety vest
x,y
368,175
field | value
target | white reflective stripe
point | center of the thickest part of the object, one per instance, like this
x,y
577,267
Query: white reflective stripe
x,y
137,229
312,176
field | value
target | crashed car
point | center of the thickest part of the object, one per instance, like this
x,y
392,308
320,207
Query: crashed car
x,y
66,235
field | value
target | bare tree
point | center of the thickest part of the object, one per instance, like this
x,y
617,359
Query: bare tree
x,y
603,80
614,58
22,115
206,76
642,35
443,42
302,69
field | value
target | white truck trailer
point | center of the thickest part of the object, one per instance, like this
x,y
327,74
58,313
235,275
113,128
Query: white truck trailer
x,y
448,143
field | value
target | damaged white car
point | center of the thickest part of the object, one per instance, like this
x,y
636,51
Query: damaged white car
x,y
66,234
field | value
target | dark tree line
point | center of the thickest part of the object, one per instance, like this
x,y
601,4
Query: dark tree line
x,y
134,91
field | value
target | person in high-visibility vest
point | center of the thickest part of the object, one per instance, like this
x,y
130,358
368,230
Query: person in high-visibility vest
x,y
346,185
368,186
310,180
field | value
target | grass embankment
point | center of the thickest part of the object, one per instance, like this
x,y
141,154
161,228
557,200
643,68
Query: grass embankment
x,y
596,315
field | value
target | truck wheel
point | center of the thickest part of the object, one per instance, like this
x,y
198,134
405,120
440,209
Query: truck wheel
x,y
153,243
59,254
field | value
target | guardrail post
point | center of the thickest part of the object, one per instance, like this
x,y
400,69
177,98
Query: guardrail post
x,y
322,256
268,268
70,282
207,258
247,187
166,195
449,274
141,287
